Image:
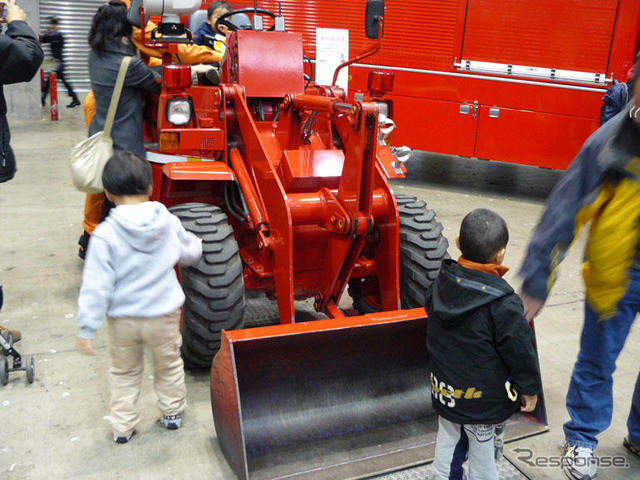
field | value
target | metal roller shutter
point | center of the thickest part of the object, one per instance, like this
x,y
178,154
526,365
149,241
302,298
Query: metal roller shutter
x,y
75,22
553,34
417,33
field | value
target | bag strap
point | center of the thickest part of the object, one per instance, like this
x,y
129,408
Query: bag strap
x,y
115,96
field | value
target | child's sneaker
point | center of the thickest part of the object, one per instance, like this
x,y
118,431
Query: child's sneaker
x,y
123,439
171,422
579,463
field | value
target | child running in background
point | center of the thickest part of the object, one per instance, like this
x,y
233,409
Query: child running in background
x,y
129,277
483,364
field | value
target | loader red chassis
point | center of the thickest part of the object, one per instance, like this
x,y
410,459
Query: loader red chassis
x,y
302,190
312,212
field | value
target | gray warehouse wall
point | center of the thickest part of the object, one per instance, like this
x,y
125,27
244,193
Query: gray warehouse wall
x,y
23,99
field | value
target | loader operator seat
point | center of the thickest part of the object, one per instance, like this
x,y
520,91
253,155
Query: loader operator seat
x,y
196,20
238,19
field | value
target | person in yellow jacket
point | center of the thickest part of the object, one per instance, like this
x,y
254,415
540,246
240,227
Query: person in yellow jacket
x,y
189,54
600,188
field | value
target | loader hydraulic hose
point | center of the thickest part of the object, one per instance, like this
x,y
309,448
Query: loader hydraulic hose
x,y
256,217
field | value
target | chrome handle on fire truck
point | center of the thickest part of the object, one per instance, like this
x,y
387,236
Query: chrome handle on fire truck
x,y
541,73
466,108
494,112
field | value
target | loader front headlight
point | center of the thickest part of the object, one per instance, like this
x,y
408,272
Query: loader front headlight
x,y
179,111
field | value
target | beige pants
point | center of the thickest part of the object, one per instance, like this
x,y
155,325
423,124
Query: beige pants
x,y
128,337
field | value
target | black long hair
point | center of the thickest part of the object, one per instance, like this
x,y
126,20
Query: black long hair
x,y
110,24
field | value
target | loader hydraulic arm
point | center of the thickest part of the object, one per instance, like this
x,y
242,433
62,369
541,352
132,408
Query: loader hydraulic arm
x,y
357,126
348,210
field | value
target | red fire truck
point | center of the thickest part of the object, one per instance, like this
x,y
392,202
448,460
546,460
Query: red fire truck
x,y
509,80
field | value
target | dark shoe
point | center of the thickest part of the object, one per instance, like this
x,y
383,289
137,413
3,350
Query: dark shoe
x,y
83,241
11,336
74,103
123,439
632,447
212,76
171,422
206,74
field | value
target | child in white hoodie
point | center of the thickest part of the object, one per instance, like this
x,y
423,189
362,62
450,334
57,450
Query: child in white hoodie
x,y
129,277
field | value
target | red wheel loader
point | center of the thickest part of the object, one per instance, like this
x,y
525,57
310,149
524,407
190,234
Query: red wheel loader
x,y
287,184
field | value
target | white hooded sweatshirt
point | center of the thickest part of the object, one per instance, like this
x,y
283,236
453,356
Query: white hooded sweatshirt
x,y
129,267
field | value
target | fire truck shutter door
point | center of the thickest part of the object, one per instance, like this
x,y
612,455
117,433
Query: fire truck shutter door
x,y
561,35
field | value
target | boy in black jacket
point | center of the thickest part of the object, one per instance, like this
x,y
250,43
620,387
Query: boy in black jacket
x,y
483,364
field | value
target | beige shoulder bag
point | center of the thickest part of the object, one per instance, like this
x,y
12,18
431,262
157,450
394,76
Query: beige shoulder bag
x,y
90,155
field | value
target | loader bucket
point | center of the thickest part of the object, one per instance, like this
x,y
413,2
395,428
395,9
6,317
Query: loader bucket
x,y
330,399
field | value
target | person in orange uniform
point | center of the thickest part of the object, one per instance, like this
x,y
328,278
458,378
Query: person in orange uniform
x,y
190,54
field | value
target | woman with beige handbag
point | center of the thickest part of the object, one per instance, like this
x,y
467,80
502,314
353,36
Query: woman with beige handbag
x,y
110,41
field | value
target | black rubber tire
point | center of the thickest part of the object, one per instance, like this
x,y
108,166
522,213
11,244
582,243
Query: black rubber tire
x,y
4,371
422,249
30,368
214,287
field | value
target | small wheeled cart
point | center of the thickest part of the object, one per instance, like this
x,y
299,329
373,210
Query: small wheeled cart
x,y
28,365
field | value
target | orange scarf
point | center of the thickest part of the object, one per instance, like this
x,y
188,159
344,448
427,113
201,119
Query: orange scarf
x,y
492,268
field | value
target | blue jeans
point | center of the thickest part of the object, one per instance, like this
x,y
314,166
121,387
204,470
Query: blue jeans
x,y
590,396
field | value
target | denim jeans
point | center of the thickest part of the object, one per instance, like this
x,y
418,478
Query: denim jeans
x,y
455,443
590,396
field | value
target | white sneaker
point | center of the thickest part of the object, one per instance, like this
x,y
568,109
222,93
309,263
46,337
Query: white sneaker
x,y
579,463
171,422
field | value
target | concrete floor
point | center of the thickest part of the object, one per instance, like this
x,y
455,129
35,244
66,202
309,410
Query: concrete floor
x,y
56,427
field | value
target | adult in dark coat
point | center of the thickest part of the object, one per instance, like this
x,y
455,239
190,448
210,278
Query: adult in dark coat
x,y
20,58
110,40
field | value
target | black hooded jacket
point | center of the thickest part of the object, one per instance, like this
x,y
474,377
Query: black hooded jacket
x,y
478,339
